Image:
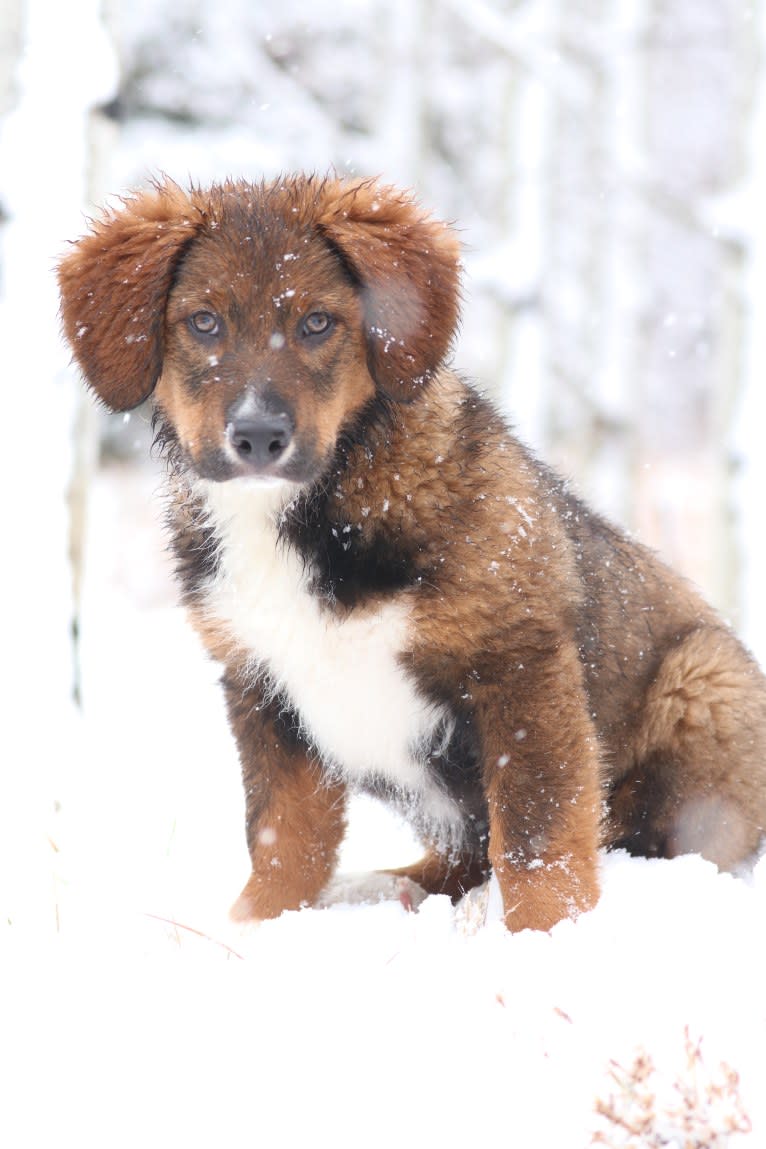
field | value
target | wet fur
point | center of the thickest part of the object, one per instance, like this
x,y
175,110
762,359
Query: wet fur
x,y
488,654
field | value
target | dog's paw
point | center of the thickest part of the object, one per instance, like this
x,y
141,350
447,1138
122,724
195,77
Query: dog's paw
x,y
242,913
377,886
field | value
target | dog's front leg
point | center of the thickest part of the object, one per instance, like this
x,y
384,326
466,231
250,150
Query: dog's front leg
x,y
295,817
541,766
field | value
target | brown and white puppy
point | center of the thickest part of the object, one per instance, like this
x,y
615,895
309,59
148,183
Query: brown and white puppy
x,y
403,598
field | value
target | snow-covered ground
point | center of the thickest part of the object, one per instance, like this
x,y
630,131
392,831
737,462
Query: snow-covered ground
x,y
133,1013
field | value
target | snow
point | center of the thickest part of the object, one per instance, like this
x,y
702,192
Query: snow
x,y
131,1010
343,1025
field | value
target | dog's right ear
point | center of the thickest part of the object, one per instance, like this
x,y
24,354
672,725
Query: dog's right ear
x,y
114,284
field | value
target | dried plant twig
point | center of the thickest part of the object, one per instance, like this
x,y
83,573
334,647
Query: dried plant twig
x,y
702,1110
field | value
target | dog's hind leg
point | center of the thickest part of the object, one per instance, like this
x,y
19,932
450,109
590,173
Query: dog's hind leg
x,y
699,785
435,873
453,874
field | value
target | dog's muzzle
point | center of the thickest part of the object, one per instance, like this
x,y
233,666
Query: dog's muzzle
x,y
261,441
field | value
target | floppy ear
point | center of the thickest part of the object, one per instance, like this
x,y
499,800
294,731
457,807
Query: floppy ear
x,y
114,284
408,267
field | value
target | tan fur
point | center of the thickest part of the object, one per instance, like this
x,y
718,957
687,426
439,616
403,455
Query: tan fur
x,y
199,418
294,844
114,318
437,874
595,699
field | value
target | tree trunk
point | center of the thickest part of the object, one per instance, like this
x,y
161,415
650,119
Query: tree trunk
x,y
44,153
696,114
750,421
579,228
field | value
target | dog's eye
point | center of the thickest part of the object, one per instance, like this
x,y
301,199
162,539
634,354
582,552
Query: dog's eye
x,y
317,323
205,323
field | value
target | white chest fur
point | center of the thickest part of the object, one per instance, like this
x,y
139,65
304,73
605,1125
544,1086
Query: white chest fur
x,y
341,675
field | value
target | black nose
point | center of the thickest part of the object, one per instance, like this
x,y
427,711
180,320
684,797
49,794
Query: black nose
x,y
260,440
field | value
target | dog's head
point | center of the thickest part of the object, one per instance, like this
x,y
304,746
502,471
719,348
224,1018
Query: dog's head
x,y
264,318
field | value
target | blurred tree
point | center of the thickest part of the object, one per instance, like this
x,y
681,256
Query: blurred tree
x,y
698,85
10,47
43,142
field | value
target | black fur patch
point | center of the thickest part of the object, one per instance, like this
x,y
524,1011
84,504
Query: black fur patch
x,y
348,565
194,545
349,561
275,711
456,771
457,764
193,541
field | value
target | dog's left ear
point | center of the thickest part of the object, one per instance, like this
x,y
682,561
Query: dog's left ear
x,y
407,265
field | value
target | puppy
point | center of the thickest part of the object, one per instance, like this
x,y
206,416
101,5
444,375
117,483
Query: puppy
x,y
403,599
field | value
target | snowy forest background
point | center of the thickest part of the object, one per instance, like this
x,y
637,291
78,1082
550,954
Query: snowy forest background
x,y
602,161
605,161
